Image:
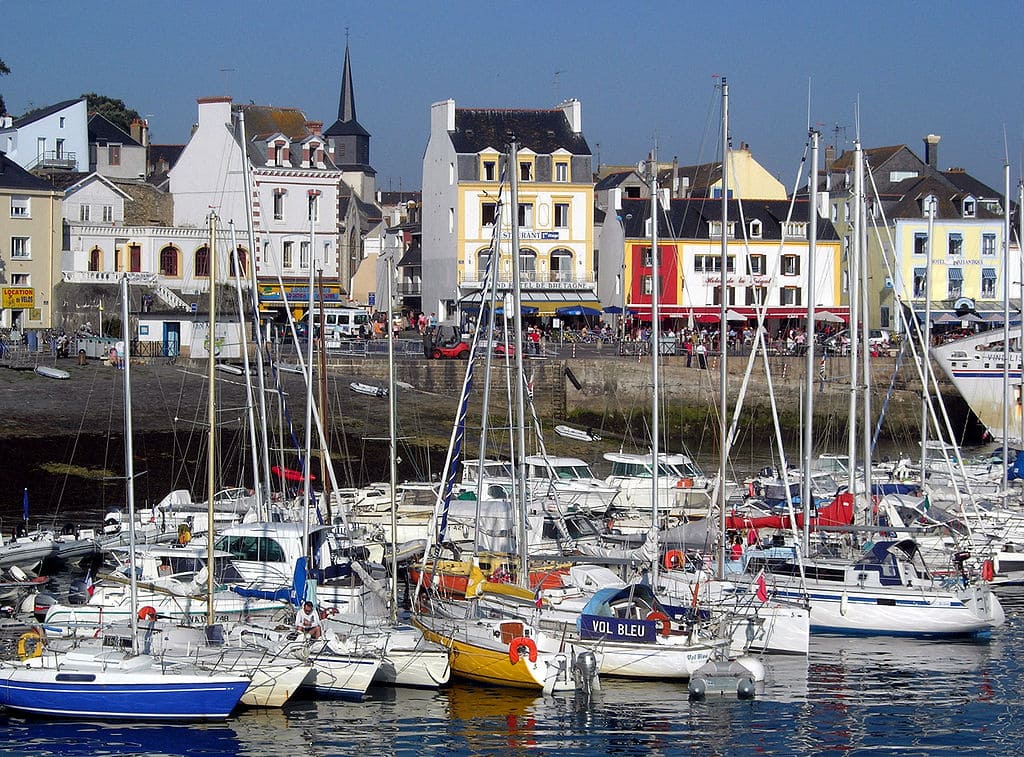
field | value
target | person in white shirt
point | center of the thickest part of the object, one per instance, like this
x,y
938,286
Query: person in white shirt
x,y
307,620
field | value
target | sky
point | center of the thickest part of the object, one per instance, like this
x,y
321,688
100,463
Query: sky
x,y
646,72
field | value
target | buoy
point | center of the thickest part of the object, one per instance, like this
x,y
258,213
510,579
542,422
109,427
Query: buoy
x,y
517,644
30,644
147,612
666,622
674,558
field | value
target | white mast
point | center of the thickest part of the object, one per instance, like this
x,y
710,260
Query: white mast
x,y
211,416
652,174
812,248
722,333
926,347
1006,323
520,420
129,464
310,327
389,264
853,270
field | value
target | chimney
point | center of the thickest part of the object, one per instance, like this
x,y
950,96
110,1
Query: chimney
x,y
314,127
931,150
140,132
214,112
830,156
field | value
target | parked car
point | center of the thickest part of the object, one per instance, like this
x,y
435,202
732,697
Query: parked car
x,y
841,339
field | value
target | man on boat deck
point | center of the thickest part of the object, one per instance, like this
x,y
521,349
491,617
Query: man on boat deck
x,y
307,620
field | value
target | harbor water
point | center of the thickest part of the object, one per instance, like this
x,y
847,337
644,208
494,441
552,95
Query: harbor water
x,y
848,697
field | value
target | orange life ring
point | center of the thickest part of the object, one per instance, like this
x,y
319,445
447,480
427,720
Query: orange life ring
x,y
674,558
147,612
517,644
684,483
666,622
988,570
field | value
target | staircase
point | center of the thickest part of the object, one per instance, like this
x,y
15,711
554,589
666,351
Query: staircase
x,y
169,297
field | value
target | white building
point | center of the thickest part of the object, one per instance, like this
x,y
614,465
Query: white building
x,y
55,137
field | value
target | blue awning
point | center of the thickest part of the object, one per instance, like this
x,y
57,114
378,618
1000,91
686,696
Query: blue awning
x,y
920,273
988,273
955,274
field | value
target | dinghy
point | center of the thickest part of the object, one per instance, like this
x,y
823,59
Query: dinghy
x,y
373,391
51,372
578,434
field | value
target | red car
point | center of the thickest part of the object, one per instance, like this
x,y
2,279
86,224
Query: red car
x,y
457,351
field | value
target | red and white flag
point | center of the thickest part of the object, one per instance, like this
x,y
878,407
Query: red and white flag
x,y
89,588
761,587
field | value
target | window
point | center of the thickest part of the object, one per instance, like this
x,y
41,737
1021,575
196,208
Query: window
x,y
526,170
169,261
21,248
286,255
483,259
114,155
646,257
920,243
647,284
988,244
713,263
95,259
988,283
526,215
202,262
835,212
304,255
313,206
561,215
716,297
561,265
528,265
278,153
956,245
715,229
20,207
969,207
83,212
243,258
21,279
757,295
488,213
490,167
756,265
561,172
108,214
796,229
920,282
135,258
790,265
278,204
61,122
955,277
789,296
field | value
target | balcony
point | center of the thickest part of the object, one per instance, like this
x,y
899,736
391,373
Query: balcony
x,y
55,159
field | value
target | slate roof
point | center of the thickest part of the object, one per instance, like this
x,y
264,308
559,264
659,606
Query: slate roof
x,y
908,194
967,184
103,131
63,179
393,198
876,156
168,153
691,218
612,180
701,177
543,131
263,121
44,112
13,176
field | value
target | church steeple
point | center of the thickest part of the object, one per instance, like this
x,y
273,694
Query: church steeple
x,y
350,141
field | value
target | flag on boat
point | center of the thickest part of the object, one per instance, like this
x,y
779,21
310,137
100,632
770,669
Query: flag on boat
x,y
89,588
537,599
24,505
762,587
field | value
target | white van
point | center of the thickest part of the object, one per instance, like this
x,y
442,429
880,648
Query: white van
x,y
339,324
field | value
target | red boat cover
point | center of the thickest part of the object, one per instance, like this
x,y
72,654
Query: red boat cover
x,y
288,474
839,512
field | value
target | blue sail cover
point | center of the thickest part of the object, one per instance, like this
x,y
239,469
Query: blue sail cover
x,y
599,622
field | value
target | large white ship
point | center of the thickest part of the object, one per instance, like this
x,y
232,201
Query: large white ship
x,y
976,365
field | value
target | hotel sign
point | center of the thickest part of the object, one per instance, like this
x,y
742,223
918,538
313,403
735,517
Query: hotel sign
x,y
533,235
19,298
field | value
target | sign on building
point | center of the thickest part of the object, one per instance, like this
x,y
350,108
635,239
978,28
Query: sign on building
x,y
18,298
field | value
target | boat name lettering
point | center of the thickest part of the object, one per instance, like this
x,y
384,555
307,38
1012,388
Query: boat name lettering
x,y
617,629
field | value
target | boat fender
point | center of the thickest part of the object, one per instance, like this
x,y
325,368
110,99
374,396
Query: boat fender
x,y
684,483
184,534
30,645
147,612
988,570
674,558
520,643
666,623
745,688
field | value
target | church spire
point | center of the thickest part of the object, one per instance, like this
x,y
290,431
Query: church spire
x,y
347,105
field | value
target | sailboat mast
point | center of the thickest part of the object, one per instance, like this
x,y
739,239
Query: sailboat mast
x,y
262,492
307,489
722,333
520,419
812,251
853,268
865,329
324,410
389,266
1006,323
211,417
129,464
1006,308
926,347
652,171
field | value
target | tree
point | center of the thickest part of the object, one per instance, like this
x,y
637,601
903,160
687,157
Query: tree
x,y
113,110
4,70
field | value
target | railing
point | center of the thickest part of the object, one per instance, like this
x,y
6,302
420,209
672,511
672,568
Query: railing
x,y
54,159
108,277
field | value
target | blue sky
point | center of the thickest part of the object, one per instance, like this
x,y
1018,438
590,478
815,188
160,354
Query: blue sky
x,y
644,71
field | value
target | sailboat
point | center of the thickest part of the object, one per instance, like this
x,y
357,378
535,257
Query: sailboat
x,y
494,646
118,683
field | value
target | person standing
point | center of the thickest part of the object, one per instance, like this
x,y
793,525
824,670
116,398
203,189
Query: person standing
x,y
702,356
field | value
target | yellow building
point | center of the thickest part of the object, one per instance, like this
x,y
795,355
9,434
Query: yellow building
x,y
30,248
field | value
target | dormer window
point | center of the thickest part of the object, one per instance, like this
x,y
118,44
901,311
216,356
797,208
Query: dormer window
x,y
970,207
277,153
755,229
526,170
490,170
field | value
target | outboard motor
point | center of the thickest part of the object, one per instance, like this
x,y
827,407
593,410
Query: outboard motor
x,y
584,671
70,529
78,592
41,603
112,522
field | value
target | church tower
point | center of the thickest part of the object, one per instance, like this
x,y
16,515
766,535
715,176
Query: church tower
x,y
349,142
